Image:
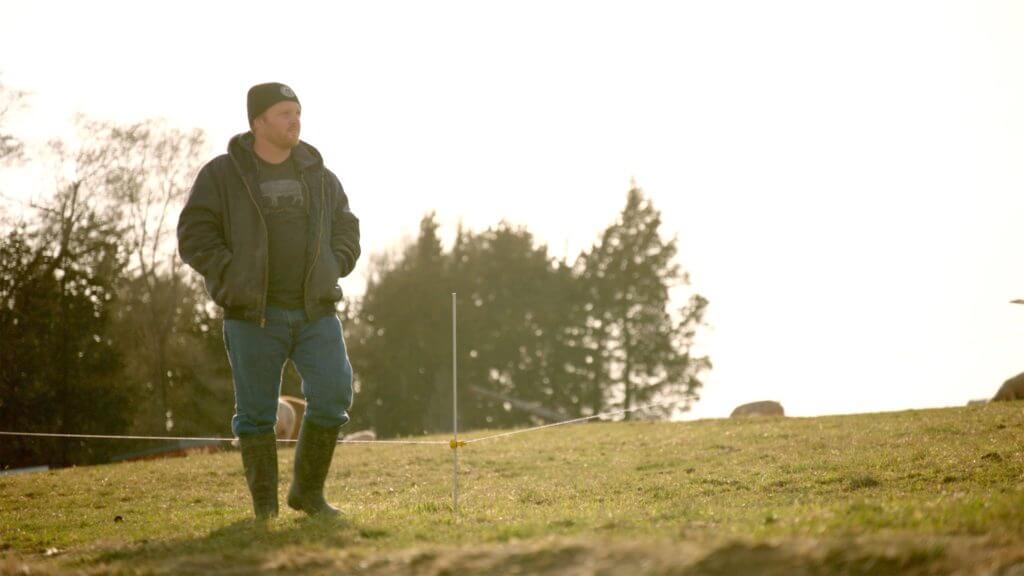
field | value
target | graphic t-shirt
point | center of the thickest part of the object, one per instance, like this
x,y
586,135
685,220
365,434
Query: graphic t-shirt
x,y
285,208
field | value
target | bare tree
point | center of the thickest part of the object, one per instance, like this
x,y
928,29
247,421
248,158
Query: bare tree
x,y
11,148
151,167
151,171
137,176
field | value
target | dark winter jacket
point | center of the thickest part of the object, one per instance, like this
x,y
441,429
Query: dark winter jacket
x,y
222,233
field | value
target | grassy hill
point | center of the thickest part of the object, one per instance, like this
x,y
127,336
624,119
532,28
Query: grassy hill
x,y
916,492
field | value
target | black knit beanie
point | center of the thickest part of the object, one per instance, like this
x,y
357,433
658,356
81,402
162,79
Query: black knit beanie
x,y
263,96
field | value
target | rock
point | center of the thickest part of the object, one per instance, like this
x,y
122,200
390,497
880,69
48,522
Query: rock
x,y
762,408
1012,389
361,436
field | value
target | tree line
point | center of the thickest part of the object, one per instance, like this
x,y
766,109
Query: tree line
x,y
104,331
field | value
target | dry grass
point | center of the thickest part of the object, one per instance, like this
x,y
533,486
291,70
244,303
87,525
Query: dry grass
x,y
932,491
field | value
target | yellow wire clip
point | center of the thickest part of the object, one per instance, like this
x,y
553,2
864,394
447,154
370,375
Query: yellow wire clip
x,y
456,443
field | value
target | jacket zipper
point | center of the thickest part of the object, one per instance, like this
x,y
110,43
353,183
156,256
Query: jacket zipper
x,y
266,243
319,236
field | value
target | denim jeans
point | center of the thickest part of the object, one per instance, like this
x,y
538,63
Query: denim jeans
x,y
258,356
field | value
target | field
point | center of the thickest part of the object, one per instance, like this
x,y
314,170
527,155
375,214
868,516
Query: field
x,y
916,492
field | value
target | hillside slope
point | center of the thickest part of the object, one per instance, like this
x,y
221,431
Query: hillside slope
x,y
930,491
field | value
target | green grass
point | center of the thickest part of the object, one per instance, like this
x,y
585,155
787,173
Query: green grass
x,y
928,491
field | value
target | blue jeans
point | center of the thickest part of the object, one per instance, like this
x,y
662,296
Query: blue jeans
x,y
258,356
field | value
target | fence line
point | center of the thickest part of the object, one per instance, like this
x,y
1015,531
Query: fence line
x,y
573,421
343,441
212,439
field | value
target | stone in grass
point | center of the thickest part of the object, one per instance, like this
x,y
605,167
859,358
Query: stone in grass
x,y
762,408
1012,389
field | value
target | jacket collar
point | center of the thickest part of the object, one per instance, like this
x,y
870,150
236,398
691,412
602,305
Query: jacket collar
x,y
241,151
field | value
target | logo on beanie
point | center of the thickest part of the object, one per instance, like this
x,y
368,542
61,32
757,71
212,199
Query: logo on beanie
x,y
287,92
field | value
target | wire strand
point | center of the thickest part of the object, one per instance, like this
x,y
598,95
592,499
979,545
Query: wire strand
x,y
573,421
210,439
403,442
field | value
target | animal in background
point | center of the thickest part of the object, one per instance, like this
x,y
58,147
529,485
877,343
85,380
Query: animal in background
x,y
285,421
762,408
290,411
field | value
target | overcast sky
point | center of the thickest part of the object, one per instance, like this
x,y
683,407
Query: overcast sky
x,y
845,178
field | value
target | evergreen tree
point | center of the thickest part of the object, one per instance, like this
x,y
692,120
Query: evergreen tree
x,y
60,369
637,350
95,306
514,328
538,341
516,305
397,354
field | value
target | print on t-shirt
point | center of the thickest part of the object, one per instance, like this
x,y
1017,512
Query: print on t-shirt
x,y
283,202
281,195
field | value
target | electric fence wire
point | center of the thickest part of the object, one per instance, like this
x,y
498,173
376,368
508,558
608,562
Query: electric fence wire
x,y
343,441
210,439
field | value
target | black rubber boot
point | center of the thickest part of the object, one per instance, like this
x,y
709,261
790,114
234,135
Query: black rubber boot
x,y
259,458
312,461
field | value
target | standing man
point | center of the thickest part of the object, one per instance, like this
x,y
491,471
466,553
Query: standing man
x,y
270,230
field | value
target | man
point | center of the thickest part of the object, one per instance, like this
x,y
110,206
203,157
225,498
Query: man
x,y
270,230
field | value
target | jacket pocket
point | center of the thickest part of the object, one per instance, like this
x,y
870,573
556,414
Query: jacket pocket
x,y
219,286
235,288
326,278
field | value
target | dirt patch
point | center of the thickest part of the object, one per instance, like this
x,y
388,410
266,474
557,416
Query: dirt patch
x,y
875,555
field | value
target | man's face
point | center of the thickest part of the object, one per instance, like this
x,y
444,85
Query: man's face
x,y
280,124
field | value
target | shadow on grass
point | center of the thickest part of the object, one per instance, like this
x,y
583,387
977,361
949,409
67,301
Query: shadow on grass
x,y
243,547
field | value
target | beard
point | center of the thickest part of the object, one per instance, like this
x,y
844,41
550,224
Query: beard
x,y
286,139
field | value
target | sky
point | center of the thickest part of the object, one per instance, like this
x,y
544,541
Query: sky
x,y
844,179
